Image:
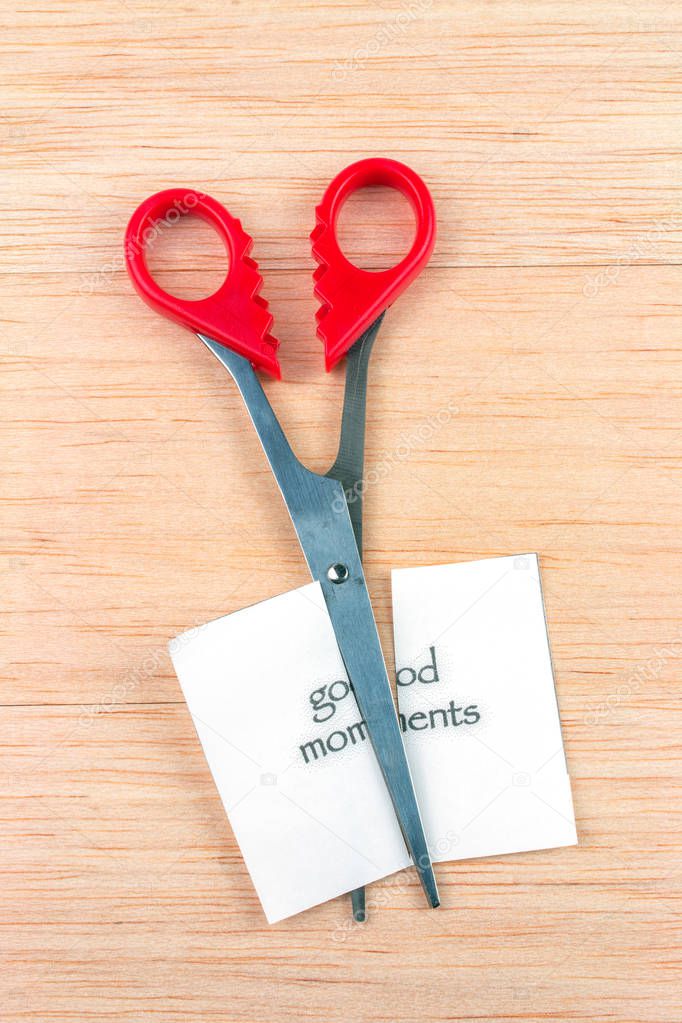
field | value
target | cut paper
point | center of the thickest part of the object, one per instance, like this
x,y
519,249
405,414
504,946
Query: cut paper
x,y
283,737
289,752
478,708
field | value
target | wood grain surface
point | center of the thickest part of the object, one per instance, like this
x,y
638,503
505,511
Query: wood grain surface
x,y
136,502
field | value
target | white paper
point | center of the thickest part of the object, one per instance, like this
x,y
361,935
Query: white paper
x,y
482,732
314,821
482,728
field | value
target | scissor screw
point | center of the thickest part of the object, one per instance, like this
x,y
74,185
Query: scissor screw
x,y
337,573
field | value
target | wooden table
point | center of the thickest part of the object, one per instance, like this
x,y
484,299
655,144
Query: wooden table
x,y
137,503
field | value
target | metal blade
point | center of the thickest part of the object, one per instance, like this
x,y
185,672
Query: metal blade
x,y
358,640
348,469
319,512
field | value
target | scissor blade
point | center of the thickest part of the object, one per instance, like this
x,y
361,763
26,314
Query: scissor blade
x,y
348,469
348,466
358,640
319,512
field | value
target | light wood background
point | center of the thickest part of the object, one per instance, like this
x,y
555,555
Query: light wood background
x,y
136,502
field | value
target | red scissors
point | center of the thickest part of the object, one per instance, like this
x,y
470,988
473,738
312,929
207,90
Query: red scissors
x,y
234,323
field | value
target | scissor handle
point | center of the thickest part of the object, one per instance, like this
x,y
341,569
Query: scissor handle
x,y
234,315
351,299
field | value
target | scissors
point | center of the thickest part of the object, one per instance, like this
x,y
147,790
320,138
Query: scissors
x,y
234,324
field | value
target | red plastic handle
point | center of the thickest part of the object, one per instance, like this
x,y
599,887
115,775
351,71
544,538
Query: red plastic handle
x,y
235,315
351,298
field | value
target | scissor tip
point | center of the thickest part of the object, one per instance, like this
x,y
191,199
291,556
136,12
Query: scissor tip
x,y
428,880
358,900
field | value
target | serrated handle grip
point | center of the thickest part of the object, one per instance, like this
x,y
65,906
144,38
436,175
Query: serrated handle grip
x,y
350,298
235,315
